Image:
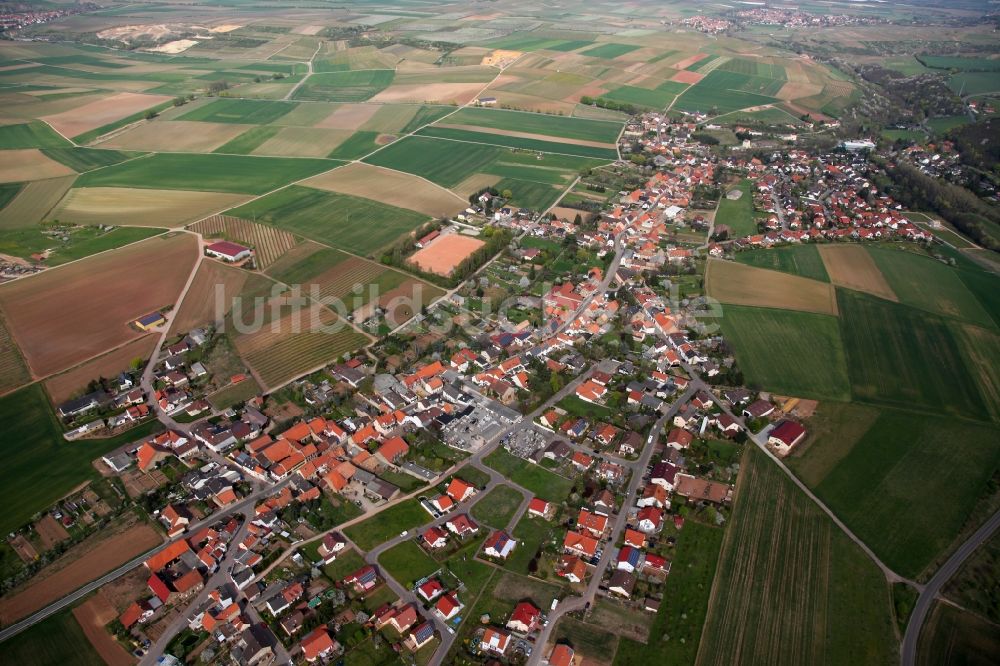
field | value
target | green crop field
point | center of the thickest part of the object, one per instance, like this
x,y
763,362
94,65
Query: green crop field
x,y
528,194
609,51
86,159
676,631
354,86
40,466
249,141
535,479
728,91
930,285
802,260
904,357
814,598
498,507
407,563
961,63
738,214
538,123
955,636
35,134
440,162
248,111
212,173
644,97
451,134
7,193
528,42
984,286
359,225
792,353
55,640
879,483
975,83
387,524
356,146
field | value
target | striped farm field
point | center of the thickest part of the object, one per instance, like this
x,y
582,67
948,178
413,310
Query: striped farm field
x,y
519,140
267,242
141,207
200,305
34,202
240,111
13,370
739,284
600,131
853,267
278,353
791,588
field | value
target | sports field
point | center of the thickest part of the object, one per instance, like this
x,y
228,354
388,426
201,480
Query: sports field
x,y
740,284
359,225
878,483
791,353
444,254
801,260
791,588
737,214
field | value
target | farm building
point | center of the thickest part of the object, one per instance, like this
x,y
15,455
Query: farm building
x,y
150,321
785,436
486,101
228,251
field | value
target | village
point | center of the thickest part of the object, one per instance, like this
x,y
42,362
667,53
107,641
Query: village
x,y
562,440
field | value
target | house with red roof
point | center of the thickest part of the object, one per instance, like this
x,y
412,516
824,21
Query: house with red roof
x,y
318,645
462,525
785,436
540,508
593,524
649,519
435,537
228,251
431,590
158,588
392,450
460,490
525,618
448,606
499,545
494,641
572,568
580,544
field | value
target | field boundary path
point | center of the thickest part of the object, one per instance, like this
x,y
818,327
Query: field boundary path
x,y
908,649
309,64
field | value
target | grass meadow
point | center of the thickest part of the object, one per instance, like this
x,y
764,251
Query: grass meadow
x,y
388,524
677,628
34,134
407,563
498,507
541,482
791,588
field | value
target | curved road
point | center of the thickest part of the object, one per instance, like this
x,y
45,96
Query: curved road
x,y
908,650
